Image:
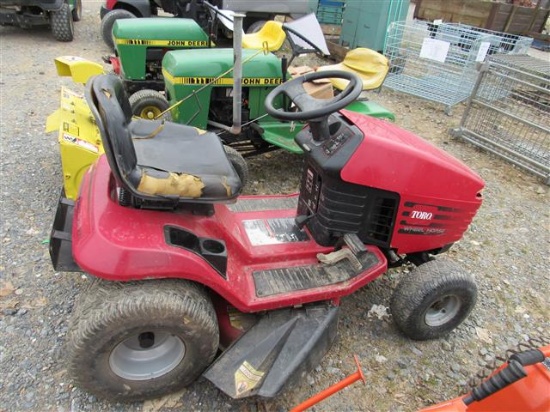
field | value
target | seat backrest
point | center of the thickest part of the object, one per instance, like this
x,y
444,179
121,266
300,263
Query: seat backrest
x,y
271,32
274,34
111,109
367,62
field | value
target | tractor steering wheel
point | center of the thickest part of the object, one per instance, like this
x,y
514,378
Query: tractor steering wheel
x,y
310,107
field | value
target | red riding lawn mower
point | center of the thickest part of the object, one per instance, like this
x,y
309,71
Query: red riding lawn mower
x,y
184,267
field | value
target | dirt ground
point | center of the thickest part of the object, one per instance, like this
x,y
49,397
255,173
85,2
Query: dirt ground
x,y
506,249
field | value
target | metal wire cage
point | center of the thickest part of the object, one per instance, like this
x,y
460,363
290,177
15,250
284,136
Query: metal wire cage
x,y
437,62
509,112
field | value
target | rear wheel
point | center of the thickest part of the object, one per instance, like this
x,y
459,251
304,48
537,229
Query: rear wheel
x,y
77,10
139,340
149,104
108,22
238,163
62,23
433,299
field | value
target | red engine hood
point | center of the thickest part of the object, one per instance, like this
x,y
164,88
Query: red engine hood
x,y
400,161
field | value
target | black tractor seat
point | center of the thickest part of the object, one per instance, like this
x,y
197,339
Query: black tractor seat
x,y
159,162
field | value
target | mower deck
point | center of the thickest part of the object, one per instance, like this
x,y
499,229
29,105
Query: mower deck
x,y
274,352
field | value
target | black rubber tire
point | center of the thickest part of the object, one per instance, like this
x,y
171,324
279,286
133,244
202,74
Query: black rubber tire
x,y
256,26
108,21
238,162
77,11
148,104
109,313
62,23
424,291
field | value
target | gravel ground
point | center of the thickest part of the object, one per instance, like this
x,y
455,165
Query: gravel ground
x,y
506,249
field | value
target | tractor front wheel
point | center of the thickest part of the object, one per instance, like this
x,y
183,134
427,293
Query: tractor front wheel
x,y
238,163
140,340
433,299
149,104
62,23
108,21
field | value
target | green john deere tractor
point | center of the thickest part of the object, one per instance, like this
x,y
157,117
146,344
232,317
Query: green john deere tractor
x,y
140,45
199,90
164,62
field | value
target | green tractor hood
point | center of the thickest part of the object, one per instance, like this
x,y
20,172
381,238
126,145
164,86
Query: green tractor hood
x,y
186,71
258,68
136,39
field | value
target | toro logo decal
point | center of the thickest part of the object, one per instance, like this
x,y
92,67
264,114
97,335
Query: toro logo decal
x,y
423,219
418,214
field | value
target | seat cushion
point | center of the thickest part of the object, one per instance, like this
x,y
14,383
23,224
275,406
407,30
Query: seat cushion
x,y
181,160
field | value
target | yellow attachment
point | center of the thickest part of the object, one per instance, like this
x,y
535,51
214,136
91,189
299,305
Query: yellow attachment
x,y
78,68
181,185
79,139
271,33
371,66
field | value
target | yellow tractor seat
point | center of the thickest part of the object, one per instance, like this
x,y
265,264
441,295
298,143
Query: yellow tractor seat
x,y
272,32
370,65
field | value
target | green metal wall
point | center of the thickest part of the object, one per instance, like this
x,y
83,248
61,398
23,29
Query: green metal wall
x,y
365,22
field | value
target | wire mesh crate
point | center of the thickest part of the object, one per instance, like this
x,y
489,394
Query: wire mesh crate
x,y
438,62
509,112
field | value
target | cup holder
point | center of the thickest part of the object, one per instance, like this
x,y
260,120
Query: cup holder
x,y
213,250
179,237
212,246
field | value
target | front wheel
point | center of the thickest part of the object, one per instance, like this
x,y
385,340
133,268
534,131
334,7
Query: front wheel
x,y
108,21
62,23
149,104
433,299
140,340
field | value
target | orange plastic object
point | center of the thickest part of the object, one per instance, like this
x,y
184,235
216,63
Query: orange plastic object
x,y
332,389
529,394
271,33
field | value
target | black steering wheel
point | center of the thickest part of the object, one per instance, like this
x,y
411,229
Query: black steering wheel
x,y
310,107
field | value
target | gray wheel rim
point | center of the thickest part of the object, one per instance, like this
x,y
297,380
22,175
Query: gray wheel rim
x,y
147,355
442,311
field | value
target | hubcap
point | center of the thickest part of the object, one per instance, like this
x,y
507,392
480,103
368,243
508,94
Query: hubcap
x,y
147,355
442,311
150,112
